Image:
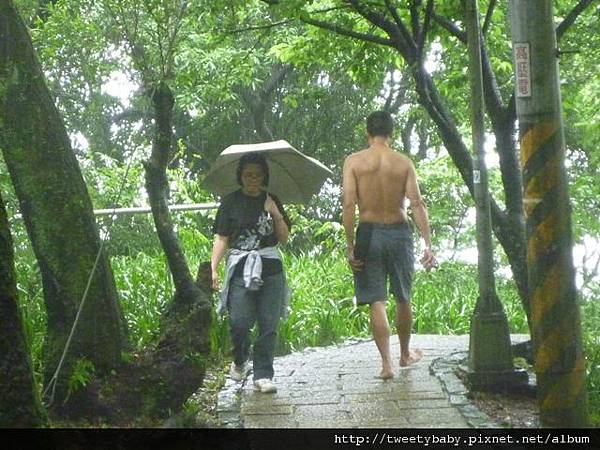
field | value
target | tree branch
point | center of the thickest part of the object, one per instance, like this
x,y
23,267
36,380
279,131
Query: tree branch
x,y
426,24
488,17
130,114
451,28
260,27
399,23
562,28
398,33
414,18
493,98
345,32
276,78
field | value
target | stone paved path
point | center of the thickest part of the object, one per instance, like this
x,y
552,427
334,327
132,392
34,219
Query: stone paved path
x,y
335,387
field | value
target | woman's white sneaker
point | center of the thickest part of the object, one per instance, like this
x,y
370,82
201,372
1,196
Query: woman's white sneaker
x,y
265,386
238,373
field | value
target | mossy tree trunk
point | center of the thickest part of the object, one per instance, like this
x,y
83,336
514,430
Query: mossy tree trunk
x,y
176,368
19,398
57,211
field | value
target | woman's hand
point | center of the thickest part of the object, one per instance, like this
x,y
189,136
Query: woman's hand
x,y
220,246
271,207
282,230
216,283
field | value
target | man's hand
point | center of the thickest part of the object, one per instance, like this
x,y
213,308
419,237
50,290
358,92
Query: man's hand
x,y
356,264
428,261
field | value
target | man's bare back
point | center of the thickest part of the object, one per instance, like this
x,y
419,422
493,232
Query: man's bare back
x,y
381,178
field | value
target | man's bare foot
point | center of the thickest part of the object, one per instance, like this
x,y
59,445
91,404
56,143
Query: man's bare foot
x,y
412,357
385,375
386,371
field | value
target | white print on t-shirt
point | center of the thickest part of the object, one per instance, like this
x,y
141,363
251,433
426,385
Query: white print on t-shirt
x,y
250,238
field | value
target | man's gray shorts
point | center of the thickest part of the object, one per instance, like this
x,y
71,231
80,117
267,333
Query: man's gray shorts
x,y
390,253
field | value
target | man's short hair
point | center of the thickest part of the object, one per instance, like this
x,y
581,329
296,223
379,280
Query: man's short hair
x,y
380,123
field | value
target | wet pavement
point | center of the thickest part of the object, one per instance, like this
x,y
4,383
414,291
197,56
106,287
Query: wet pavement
x,y
335,387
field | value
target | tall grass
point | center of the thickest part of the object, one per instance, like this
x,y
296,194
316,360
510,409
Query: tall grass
x,y
444,300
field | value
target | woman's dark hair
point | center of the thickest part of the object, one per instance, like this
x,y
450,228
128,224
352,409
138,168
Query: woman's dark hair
x,y
380,123
253,158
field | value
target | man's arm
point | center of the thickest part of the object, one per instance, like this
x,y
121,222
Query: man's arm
x,y
420,215
349,200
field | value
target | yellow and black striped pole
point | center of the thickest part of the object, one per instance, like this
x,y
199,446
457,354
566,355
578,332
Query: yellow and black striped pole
x,y
559,359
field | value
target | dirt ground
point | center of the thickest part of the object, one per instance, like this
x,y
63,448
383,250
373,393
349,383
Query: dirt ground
x,y
510,410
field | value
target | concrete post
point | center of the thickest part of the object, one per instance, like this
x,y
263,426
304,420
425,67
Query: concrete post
x,y
490,354
559,359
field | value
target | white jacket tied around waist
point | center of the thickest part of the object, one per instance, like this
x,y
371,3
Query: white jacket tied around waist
x,y
252,274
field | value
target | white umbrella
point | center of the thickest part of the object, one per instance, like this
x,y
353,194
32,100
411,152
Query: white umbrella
x,y
293,176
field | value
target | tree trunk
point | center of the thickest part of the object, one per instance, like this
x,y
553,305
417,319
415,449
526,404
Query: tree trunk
x,y
57,212
19,399
178,363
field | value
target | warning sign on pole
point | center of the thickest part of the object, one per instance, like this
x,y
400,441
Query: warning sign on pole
x,y
523,68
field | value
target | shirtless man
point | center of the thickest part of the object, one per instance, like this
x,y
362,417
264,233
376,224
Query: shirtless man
x,y
379,179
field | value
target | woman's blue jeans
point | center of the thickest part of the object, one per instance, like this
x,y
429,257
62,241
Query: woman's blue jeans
x,y
263,307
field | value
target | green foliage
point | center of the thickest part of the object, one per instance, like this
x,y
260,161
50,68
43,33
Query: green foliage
x,y
83,373
448,204
590,313
444,300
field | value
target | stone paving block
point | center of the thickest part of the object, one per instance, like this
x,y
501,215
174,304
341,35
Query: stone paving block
x,y
269,421
368,397
334,423
265,408
436,418
458,400
355,388
395,395
430,384
317,413
423,403
390,422
321,398
373,410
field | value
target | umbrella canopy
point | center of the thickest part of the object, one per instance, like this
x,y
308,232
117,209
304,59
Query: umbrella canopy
x,y
293,176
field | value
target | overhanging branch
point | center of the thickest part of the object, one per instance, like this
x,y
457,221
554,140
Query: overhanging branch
x,y
345,32
488,17
401,27
450,28
426,24
398,33
562,28
260,27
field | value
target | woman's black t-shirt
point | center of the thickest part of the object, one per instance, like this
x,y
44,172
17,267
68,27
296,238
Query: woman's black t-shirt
x,y
243,219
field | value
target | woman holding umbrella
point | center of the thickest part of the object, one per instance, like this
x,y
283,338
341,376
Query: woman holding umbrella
x,y
249,224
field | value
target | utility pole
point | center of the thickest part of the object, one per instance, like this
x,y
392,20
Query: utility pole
x,y
559,359
490,355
